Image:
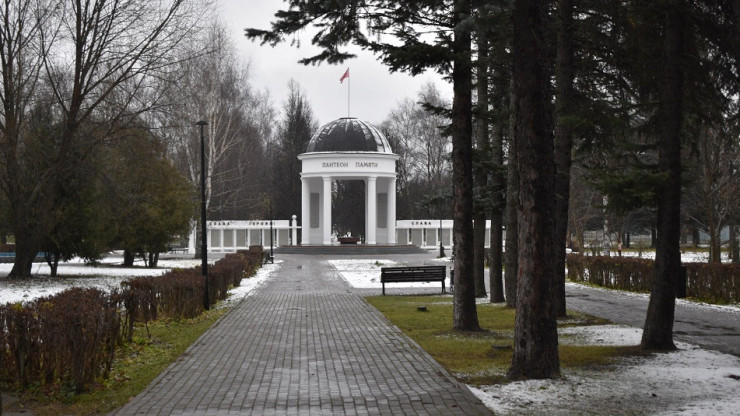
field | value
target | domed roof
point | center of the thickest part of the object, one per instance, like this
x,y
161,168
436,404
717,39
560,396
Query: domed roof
x,y
348,134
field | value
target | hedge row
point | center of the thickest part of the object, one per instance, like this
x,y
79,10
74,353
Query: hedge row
x,y
70,338
718,283
179,294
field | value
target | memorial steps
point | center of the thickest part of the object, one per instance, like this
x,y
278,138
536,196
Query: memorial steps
x,y
349,249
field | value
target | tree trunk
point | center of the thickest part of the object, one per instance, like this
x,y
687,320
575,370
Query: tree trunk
x,y
535,333
715,250
128,258
658,331
695,236
55,265
481,173
479,254
465,315
153,259
512,222
495,267
734,247
564,105
52,260
25,253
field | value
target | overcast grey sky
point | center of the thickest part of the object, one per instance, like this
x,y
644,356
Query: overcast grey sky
x,y
374,91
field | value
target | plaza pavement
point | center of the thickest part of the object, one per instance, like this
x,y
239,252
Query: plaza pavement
x,y
305,343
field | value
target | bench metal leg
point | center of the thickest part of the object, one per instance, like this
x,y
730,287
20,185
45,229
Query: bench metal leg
x,y
383,288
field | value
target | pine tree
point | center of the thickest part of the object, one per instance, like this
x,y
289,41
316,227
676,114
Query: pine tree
x,y
296,129
535,333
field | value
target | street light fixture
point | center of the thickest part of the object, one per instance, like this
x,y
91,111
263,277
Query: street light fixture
x,y
204,229
272,258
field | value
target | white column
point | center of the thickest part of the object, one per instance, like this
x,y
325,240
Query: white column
x,y
191,239
391,211
372,210
294,231
326,226
305,213
452,226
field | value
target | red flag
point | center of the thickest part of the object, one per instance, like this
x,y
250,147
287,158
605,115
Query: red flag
x,y
346,75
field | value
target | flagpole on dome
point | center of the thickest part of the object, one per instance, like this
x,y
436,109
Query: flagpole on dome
x,y
341,80
348,90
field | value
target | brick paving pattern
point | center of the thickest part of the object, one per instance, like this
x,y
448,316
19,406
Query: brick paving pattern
x,y
305,343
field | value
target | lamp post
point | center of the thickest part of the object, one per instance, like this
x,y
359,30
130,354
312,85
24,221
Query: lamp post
x,y
272,259
204,229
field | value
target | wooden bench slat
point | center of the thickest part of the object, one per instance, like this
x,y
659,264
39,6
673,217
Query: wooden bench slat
x,y
413,274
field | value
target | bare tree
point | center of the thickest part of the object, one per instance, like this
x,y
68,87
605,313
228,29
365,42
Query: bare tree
x,y
417,136
21,65
716,191
582,208
95,57
214,87
422,140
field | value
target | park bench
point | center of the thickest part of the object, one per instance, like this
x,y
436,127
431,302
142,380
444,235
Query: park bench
x,y
177,249
413,274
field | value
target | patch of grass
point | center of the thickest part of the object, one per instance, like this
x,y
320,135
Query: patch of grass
x,y
588,356
481,357
136,365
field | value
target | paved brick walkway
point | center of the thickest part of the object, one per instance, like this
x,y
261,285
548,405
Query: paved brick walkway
x,y
305,343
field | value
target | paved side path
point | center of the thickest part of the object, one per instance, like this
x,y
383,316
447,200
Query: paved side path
x,y
305,343
708,327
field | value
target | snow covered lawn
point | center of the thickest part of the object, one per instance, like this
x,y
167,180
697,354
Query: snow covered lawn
x,y
690,381
248,286
686,256
365,274
107,276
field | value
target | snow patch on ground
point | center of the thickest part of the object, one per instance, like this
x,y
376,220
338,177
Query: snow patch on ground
x,y
74,273
611,335
686,256
365,273
690,381
249,285
108,276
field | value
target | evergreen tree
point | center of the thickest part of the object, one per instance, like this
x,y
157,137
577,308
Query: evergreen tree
x,y
149,203
564,109
481,170
294,133
535,333
665,65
